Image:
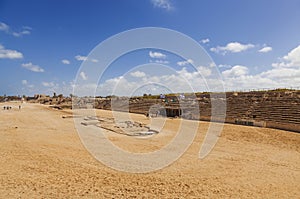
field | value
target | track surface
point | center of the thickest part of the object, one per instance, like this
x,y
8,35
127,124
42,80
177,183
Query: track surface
x,y
41,156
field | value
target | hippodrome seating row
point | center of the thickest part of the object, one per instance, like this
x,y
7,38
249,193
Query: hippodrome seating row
x,y
272,107
276,108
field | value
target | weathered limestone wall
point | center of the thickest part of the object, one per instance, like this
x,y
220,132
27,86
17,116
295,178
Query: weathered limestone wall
x,y
273,109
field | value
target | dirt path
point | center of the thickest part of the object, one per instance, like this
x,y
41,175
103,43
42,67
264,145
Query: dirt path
x,y
41,156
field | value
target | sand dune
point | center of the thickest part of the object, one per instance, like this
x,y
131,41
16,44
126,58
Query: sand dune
x,y
41,156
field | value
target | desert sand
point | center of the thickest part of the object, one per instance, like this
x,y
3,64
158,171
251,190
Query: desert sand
x,y
41,156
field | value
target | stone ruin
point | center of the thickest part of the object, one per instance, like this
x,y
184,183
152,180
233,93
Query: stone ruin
x,y
273,109
126,127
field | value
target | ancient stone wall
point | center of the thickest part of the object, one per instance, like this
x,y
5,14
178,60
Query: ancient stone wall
x,y
274,109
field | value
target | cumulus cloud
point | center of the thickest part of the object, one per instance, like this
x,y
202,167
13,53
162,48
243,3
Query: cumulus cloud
x,y
32,67
4,27
9,54
186,62
21,33
85,58
274,78
282,74
24,82
138,74
94,60
48,84
65,61
292,59
204,41
236,71
233,47
80,58
26,30
159,61
83,75
157,55
163,4
177,81
237,77
265,49
204,71
224,66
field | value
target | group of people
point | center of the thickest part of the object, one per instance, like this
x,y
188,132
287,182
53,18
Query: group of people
x,y
9,107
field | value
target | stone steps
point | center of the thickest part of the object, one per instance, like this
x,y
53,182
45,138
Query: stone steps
x,y
261,106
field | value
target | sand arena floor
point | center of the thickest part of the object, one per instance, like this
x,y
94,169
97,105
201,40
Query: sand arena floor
x,y
41,156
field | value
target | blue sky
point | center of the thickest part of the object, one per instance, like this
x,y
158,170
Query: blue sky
x,y
254,44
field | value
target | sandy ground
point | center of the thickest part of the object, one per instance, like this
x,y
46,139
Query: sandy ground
x,y
41,156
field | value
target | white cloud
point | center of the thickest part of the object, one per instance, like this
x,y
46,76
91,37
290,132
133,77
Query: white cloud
x,y
236,71
157,55
32,67
163,4
176,81
186,62
292,59
270,79
204,71
281,73
236,78
83,75
21,33
204,41
65,61
284,74
159,61
24,82
81,58
4,27
85,58
48,84
265,49
27,28
94,60
224,66
233,47
9,54
138,74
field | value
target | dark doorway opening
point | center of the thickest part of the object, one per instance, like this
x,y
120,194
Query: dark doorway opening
x,y
173,112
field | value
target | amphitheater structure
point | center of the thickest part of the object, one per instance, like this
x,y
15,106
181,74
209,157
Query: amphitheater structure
x,y
272,109
278,109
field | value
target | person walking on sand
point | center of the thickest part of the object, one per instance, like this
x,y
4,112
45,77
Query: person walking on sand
x,y
19,107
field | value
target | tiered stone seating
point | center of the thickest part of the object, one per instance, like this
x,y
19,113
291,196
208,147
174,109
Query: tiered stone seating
x,y
141,106
279,109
